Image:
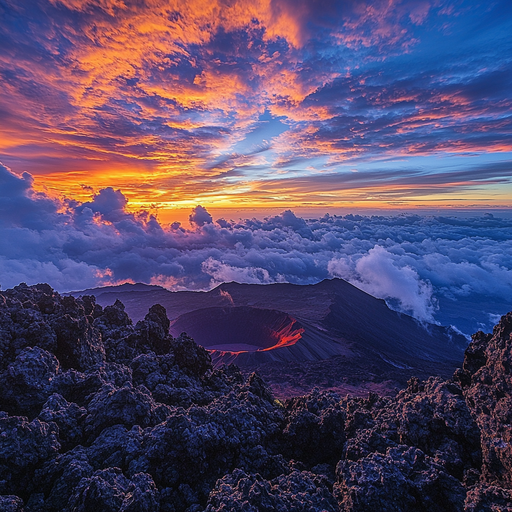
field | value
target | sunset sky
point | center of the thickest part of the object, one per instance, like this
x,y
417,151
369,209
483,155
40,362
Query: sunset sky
x,y
260,104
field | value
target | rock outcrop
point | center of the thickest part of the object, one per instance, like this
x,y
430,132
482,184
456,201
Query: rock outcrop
x,y
99,414
486,380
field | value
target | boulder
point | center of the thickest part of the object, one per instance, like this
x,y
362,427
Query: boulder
x,y
404,479
300,491
486,378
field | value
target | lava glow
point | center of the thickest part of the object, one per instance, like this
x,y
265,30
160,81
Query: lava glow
x,y
287,336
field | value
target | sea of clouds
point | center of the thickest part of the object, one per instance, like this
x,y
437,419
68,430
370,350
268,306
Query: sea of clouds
x,y
414,262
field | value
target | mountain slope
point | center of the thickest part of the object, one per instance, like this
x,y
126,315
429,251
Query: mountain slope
x,y
331,318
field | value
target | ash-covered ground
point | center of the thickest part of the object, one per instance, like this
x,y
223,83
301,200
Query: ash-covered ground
x,y
98,414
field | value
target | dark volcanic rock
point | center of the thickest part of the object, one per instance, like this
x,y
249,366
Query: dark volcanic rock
x,y
113,317
11,504
403,479
430,415
198,446
78,387
23,445
124,342
169,384
100,415
154,330
487,381
436,419
109,490
69,417
122,406
193,358
38,316
26,383
117,446
58,478
79,343
484,498
315,429
296,492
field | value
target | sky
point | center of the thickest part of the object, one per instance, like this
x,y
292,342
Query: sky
x,y
260,106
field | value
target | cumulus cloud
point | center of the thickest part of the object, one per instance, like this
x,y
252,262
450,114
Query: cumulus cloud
x,y
20,205
223,272
412,261
378,273
200,216
108,202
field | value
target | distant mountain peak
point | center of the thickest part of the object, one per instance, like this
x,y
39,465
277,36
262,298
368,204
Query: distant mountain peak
x,y
125,287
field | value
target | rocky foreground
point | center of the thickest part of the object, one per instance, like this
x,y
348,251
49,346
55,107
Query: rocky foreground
x,y
100,415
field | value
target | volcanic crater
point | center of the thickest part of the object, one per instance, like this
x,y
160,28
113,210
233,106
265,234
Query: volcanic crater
x,y
238,330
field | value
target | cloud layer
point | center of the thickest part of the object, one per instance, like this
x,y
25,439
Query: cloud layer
x,y
412,261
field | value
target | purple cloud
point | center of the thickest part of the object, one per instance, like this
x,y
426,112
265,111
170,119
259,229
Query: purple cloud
x,y
200,216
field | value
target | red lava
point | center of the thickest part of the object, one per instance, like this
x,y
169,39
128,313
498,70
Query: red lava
x,y
238,330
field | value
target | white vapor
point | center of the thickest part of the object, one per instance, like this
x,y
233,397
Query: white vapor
x,y
378,274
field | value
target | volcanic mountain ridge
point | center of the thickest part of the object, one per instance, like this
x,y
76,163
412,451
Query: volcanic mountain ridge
x,y
284,330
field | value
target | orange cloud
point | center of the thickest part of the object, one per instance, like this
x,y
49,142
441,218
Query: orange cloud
x,y
159,97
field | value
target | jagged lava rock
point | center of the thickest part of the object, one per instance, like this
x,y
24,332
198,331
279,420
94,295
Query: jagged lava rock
x,y
486,378
23,445
109,490
134,420
26,383
123,406
403,479
296,492
38,316
69,417
11,504
314,432
488,498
